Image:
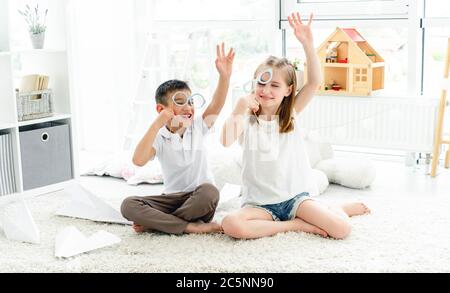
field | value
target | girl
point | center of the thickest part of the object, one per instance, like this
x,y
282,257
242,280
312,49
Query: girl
x,y
276,174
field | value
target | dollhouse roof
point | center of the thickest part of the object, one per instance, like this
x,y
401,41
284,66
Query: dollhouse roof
x,y
355,39
354,35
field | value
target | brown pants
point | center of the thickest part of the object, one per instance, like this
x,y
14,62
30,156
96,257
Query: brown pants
x,y
170,213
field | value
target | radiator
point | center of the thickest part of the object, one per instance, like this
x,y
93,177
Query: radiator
x,y
389,123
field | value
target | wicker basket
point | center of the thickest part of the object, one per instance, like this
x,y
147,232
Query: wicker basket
x,y
34,105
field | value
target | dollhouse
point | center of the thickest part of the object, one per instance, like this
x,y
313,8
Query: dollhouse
x,y
350,66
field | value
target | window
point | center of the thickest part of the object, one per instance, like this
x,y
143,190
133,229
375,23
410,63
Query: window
x,y
360,74
392,27
250,26
434,57
435,8
437,31
214,10
253,44
348,9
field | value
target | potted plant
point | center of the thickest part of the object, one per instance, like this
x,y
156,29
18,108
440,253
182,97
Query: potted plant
x,y
36,25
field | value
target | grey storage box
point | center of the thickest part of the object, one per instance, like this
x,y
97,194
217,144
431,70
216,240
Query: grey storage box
x,y
46,155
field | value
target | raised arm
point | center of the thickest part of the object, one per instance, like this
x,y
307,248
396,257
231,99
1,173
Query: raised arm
x,y
234,125
304,35
145,151
224,65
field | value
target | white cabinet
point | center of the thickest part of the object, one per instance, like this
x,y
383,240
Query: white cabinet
x,y
17,59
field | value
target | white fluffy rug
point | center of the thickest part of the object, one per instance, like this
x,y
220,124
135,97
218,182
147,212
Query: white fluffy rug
x,y
403,234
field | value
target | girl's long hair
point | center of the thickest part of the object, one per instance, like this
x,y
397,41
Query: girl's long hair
x,y
286,109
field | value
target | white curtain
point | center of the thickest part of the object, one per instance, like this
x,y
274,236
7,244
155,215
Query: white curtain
x,y
103,50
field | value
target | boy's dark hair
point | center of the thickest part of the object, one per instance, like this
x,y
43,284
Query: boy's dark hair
x,y
169,87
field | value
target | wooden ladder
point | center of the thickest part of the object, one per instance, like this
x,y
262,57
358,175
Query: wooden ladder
x,y
438,136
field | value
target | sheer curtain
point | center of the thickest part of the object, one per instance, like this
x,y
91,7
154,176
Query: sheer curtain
x,y
103,51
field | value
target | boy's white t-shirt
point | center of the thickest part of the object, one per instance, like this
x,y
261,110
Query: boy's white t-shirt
x,y
183,160
275,166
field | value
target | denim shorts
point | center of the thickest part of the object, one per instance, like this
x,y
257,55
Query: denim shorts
x,y
285,210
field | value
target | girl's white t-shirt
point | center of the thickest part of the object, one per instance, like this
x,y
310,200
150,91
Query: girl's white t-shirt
x,y
275,166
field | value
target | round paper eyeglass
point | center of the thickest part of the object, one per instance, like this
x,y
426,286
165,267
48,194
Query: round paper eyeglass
x,y
195,100
263,78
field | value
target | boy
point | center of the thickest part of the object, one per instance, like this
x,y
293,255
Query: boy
x,y
189,201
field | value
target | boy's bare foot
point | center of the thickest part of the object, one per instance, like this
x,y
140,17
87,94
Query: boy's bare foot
x,y
309,228
203,228
355,209
138,228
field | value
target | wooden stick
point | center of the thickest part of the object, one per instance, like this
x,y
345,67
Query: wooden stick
x,y
440,121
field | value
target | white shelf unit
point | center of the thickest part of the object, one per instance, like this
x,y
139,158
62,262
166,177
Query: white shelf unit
x,y
17,58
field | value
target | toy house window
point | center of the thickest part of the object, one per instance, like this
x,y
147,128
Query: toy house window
x,y
360,75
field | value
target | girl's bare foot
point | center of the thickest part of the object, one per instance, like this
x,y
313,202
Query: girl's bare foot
x,y
203,228
309,228
355,209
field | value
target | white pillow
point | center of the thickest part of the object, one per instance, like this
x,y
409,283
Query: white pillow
x,y
317,151
313,152
114,166
350,172
225,164
121,166
150,173
321,180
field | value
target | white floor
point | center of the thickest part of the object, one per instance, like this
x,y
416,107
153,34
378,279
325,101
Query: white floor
x,y
407,232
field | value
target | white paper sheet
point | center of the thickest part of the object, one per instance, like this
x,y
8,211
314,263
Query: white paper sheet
x,y
85,205
18,223
70,242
